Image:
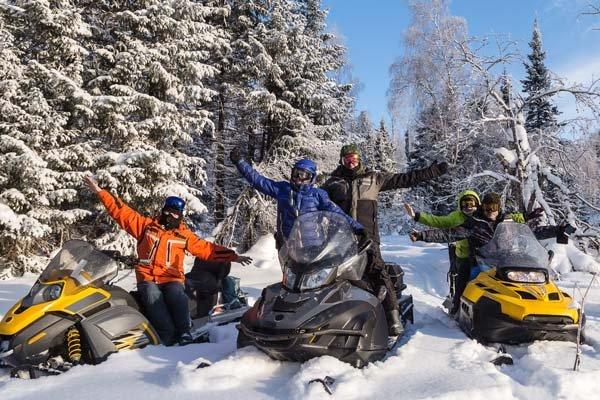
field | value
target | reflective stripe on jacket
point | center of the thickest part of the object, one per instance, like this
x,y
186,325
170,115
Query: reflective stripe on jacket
x,y
161,252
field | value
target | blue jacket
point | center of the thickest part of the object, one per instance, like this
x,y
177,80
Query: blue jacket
x,y
290,202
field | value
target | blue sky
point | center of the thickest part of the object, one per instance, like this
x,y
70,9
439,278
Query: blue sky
x,y
373,30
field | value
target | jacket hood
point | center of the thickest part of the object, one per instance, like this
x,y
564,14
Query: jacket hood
x,y
468,192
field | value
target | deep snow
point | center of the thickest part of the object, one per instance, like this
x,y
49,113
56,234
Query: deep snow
x,y
434,361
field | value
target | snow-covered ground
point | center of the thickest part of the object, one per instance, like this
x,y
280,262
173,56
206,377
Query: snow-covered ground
x,y
434,361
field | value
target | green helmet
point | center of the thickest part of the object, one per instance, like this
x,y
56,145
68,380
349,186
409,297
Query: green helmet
x,y
351,148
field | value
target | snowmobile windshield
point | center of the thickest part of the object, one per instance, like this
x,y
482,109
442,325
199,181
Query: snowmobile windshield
x,y
82,262
321,240
514,245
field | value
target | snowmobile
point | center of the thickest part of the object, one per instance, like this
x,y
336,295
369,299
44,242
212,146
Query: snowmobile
x,y
321,307
72,315
513,299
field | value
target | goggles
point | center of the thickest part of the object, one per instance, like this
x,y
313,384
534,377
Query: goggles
x,y
491,207
350,159
299,174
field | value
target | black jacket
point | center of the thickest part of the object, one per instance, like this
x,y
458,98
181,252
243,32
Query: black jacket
x,y
356,191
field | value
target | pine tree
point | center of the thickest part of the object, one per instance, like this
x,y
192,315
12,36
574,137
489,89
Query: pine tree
x,y
540,113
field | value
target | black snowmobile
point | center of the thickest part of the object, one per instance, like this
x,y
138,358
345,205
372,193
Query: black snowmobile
x,y
316,310
72,315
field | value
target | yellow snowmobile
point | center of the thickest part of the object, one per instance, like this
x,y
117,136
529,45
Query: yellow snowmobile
x,y
513,299
72,315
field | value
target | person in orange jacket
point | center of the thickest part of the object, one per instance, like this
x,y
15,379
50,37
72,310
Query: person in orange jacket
x,y
161,245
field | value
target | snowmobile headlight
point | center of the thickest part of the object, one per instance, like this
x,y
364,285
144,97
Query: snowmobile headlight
x,y
52,292
316,279
526,276
289,278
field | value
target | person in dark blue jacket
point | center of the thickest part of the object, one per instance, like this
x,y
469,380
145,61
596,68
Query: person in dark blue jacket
x,y
294,197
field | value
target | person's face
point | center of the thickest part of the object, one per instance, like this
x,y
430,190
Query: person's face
x,y
491,211
468,205
300,176
351,161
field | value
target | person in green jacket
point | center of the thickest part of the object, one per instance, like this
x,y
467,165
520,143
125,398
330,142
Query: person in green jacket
x,y
460,262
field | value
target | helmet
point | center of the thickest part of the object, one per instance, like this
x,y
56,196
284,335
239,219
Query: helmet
x,y
174,203
307,165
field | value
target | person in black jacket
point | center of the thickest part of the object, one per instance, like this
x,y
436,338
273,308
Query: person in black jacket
x,y
355,189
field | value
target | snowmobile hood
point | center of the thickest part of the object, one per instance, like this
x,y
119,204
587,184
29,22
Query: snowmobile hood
x,y
73,299
520,301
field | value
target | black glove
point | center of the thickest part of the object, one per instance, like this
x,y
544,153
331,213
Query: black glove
x,y
534,214
564,232
440,168
416,236
235,155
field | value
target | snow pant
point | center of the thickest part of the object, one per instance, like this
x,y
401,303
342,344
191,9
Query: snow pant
x,y
166,307
204,282
377,275
463,275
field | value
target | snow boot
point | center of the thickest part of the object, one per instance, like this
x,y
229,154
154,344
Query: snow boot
x,y
395,327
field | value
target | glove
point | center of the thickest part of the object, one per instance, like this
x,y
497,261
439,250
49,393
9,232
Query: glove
x,y
534,214
564,232
440,168
244,260
416,236
235,155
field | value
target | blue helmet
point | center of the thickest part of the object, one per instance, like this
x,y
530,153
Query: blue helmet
x,y
307,165
174,203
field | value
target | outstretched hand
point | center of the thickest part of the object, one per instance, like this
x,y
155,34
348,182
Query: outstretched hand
x,y
410,211
416,236
91,183
244,260
439,168
535,214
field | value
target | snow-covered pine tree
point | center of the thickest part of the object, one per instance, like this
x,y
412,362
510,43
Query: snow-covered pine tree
x,y
539,111
40,78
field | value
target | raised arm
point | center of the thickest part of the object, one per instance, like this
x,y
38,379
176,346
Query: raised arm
x,y
390,181
454,219
126,217
259,182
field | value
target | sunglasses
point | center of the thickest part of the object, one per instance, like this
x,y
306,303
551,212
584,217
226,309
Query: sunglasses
x,y
491,207
301,174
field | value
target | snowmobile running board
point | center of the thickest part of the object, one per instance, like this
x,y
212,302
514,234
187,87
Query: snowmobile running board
x,y
201,326
300,334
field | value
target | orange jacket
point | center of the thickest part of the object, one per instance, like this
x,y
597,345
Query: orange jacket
x,y
161,252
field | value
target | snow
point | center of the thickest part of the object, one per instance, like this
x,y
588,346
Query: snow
x,y
434,360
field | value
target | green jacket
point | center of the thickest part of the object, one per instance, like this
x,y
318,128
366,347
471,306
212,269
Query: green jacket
x,y
452,220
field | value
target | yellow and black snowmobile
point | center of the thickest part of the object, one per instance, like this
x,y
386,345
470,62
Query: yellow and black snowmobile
x,y
513,299
72,315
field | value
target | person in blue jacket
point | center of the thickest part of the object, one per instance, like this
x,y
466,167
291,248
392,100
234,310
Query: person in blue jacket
x,y
294,197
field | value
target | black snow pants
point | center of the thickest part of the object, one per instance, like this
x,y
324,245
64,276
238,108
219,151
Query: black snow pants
x,y
463,273
377,276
